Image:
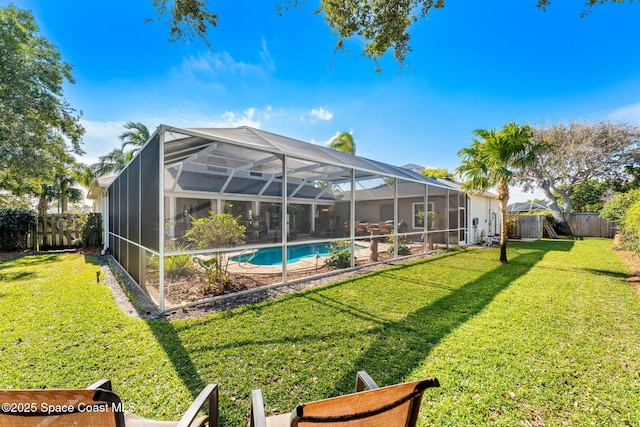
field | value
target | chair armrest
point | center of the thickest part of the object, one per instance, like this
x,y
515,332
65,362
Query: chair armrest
x,y
209,396
257,417
103,384
364,380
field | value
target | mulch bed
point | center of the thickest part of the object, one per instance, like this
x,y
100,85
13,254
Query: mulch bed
x,y
190,288
15,254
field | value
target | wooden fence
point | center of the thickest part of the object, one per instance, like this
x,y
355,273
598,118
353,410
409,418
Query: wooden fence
x,y
589,224
528,227
57,231
584,224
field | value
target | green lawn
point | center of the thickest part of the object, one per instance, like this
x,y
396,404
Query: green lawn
x,y
549,339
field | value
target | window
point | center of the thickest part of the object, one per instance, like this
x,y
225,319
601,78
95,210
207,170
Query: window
x,y
419,214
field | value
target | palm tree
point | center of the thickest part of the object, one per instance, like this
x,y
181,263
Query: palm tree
x,y
46,196
66,192
492,161
113,162
136,135
85,175
343,142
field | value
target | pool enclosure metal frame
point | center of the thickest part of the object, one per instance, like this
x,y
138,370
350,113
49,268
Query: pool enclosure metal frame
x,y
262,176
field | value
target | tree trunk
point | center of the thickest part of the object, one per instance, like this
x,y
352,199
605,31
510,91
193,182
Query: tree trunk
x,y
43,206
553,203
503,198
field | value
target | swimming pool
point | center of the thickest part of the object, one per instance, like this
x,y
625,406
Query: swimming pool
x,y
273,256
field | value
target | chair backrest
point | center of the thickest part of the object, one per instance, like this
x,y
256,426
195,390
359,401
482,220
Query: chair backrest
x,y
28,408
396,405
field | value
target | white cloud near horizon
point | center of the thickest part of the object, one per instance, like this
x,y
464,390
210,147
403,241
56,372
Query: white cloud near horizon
x,y
100,138
627,113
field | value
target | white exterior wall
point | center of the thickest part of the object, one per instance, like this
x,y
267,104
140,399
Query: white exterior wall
x,y
487,210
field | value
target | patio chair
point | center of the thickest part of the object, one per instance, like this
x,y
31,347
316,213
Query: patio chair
x,y
395,405
96,406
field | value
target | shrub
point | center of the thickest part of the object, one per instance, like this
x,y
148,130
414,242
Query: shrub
x,y
91,229
15,225
624,209
174,266
614,210
339,258
631,227
215,231
402,249
178,265
215,273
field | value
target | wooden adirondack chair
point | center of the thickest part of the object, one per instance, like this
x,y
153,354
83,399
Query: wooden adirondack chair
x,y
95,406
396,405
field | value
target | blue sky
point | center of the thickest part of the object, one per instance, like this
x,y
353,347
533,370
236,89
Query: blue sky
x,y
473,65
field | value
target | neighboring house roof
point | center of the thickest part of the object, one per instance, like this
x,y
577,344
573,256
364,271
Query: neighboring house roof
x,y
520,207
413,167
102,182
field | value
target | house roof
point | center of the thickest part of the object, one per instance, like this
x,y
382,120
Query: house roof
x,y
520,207
102,182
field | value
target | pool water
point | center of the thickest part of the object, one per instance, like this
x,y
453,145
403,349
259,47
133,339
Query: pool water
x,y
273,256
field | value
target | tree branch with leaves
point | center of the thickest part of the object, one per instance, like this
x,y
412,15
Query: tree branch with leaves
x,y
380,25
39,131
575,154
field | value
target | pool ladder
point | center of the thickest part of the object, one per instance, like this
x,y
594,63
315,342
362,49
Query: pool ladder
x,y
248,260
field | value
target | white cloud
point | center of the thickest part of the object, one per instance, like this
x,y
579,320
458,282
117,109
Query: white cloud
x,y
244,118
252,116
265,55
210,64
627,113
321,114
100,138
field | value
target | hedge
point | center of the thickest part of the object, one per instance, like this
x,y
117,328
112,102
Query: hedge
x,y
15,225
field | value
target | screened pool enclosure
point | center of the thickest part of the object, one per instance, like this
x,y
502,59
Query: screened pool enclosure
x,y
203,212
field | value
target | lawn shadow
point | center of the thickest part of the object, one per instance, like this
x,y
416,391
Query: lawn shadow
x,y
24,275
614,274
26,260
402,346
169,339
163,330
23,261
